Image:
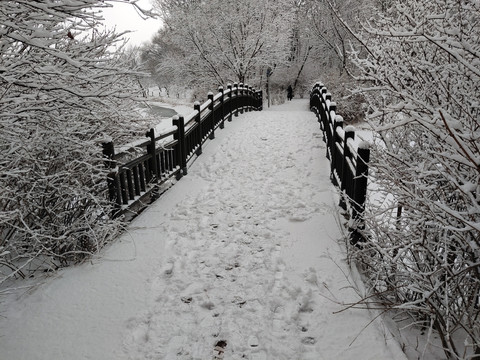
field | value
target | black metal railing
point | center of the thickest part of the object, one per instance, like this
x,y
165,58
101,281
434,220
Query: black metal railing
x,y
140,169
348,162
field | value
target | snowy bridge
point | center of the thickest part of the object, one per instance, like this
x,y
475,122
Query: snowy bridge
x,y
137,178
242,259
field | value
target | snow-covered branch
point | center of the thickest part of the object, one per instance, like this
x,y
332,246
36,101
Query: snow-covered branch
x,y
62,90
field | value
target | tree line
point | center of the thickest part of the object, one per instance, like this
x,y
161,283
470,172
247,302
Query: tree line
x,y
215,42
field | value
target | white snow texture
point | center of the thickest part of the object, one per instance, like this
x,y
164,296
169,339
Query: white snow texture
x,y
242,259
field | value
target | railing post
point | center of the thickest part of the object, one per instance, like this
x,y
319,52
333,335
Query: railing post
x,y
237,99
346,175
222,109
332,108
108,154
229,87
328,101
324,118
242,97
324,110
152,152
317,103
338,122
360,192
330,118
312,101
253,98
154,171
179,122
114,194
212,115
198,120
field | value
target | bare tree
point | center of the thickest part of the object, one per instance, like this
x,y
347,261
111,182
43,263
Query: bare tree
x,y
331,29
225,41
422,61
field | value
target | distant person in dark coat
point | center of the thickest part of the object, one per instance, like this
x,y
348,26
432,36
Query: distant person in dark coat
x,y
289,92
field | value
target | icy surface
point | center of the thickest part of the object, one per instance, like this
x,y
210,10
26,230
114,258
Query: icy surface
x,y
241,259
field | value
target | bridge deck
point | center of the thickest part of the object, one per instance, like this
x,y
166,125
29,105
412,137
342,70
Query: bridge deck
x,y
241,259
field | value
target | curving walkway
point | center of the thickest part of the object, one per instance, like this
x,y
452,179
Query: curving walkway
x,y
241,259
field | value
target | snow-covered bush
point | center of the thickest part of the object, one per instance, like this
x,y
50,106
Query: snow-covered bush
x,y
334,26
63,92
423,61
351,104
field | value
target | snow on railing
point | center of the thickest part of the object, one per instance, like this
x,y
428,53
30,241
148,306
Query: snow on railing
x,y
348,162
141,169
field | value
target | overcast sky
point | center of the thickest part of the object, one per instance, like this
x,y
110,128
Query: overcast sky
x,y
124,17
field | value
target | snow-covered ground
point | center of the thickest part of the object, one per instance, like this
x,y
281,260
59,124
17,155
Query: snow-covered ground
x,y
242,259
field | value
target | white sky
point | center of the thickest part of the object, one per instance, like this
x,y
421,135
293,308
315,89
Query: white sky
x,y
125,17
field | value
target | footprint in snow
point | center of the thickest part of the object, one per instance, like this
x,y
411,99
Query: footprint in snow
x,y
219,349
253,341
309,340
208,305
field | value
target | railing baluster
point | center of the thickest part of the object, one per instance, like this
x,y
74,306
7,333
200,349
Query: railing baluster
x,y
148,173
141,170
131,192
118,190
123,187
136,180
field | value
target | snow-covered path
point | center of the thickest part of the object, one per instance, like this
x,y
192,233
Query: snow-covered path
x,y
241,259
